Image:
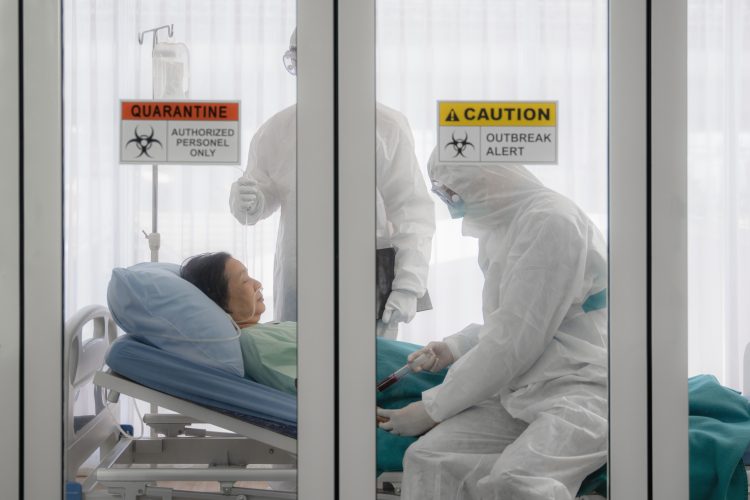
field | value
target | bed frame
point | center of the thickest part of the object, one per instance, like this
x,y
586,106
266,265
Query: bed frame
x,y
131,468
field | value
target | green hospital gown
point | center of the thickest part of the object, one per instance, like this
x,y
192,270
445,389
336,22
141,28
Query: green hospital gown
x,y
269,353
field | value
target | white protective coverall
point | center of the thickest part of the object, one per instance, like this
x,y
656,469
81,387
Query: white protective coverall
x,y
523,411
405,210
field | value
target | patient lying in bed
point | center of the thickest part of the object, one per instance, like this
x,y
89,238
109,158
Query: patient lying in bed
x,y
269,350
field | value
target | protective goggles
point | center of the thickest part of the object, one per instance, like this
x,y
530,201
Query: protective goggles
x,y
290,60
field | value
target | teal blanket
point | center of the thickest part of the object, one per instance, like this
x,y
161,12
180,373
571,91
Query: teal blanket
x,y
719,429
719,424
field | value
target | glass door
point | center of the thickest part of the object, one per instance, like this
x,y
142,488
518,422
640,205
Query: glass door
x,y
166,260
493,129
511,175
176,212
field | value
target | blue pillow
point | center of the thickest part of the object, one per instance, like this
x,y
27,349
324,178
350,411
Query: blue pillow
x,y
154,304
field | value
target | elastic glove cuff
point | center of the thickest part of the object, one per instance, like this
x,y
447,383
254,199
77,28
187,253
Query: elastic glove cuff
x,y
428,398
454,347
234,204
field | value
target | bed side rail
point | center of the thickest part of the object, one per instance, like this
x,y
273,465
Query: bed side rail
x,y
82,359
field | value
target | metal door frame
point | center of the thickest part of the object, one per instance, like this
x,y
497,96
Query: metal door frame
x,y
10,251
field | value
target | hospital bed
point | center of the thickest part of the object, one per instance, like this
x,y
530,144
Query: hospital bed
x,y
252,457
250,449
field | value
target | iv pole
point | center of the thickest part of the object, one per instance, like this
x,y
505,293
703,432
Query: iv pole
x,y
154,239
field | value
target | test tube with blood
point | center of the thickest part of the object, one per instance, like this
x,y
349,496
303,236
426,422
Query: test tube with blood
x,y
401,372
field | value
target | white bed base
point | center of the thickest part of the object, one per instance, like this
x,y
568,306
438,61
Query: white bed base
x,y
116,385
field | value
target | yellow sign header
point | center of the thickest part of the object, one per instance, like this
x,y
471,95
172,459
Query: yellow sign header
x,y
498,114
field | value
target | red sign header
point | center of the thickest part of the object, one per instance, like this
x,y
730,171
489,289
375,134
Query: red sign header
x,y
180,110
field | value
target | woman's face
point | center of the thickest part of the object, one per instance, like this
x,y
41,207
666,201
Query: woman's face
x,y
245,294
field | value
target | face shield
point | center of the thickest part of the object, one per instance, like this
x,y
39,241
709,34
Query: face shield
x,y
290,56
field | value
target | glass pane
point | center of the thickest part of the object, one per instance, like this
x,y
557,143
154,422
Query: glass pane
x,y
718,244
492,196
718,188
180,216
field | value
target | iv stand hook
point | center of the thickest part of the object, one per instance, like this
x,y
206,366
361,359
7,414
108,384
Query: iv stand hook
x,y
142,34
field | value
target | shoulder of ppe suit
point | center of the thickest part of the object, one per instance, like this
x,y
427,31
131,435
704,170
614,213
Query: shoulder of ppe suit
x,y
273,147
278,126
551,205
391,128
561,223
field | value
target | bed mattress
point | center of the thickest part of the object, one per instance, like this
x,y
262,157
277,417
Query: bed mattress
x,y
204,385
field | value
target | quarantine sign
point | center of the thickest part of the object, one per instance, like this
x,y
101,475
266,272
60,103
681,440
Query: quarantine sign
x,y
181,132
497,132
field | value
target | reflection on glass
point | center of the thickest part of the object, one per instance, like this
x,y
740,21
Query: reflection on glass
x,y
514,404
198,366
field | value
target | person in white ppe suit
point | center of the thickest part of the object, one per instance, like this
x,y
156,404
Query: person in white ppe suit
x,y
522,412
405,210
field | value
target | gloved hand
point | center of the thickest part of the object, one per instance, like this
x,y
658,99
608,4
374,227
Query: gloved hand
x,y
247,197
411,420
401,307
386,330
437,356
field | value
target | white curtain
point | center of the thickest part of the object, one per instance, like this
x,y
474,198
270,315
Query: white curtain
x,y
430,50
718,187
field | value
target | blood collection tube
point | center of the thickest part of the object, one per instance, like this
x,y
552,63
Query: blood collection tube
x,y
400,373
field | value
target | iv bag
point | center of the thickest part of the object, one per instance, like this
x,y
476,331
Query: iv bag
x,y
171,70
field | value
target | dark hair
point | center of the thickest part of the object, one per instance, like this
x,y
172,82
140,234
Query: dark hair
x,y
206,271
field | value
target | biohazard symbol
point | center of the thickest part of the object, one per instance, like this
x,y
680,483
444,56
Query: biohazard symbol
x,y
459,145
144,142
452,116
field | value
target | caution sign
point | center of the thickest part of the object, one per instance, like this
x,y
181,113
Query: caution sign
x,y
181,132
497,132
